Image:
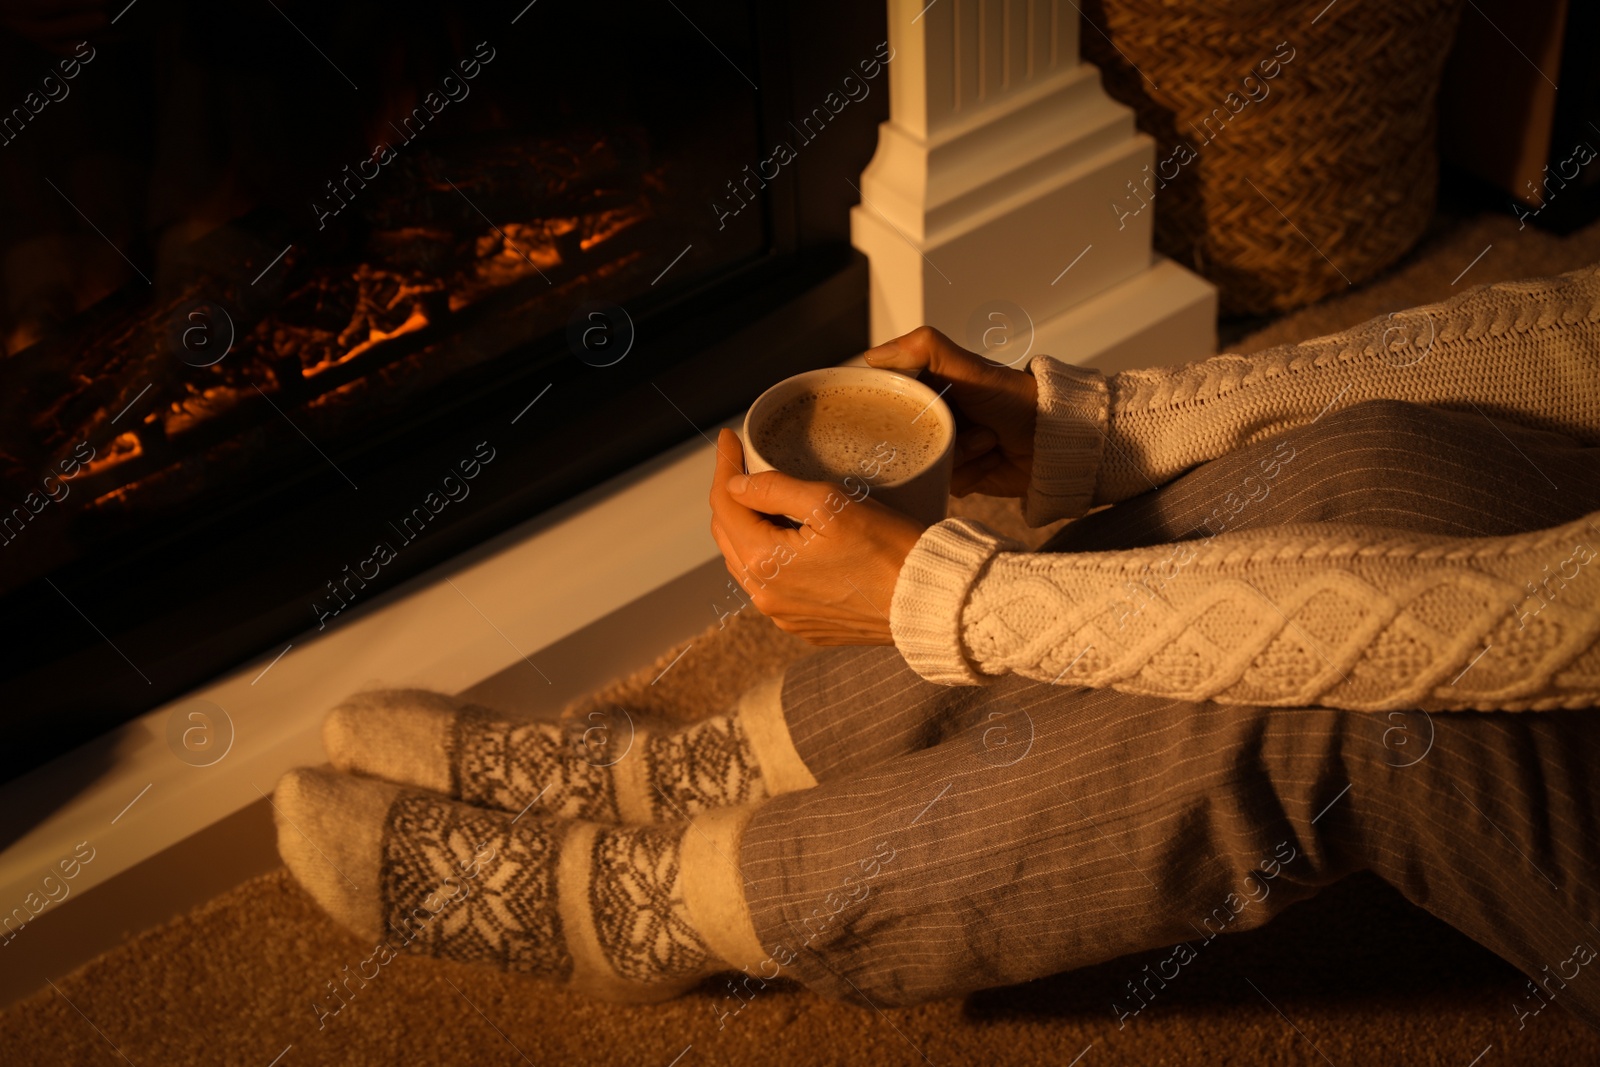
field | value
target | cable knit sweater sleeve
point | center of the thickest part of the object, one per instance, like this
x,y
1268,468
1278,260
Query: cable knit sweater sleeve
x,y
1527,351
1346,617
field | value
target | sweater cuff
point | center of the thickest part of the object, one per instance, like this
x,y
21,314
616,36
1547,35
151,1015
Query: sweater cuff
x,y
1068,440
925,614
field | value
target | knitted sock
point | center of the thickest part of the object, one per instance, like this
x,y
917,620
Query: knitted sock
x,y
624,769
633,913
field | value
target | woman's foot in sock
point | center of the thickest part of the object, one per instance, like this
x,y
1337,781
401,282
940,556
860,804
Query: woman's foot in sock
x,y
612,911
622,769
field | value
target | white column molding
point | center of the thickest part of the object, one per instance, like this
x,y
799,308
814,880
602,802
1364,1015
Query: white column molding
x,y
988,206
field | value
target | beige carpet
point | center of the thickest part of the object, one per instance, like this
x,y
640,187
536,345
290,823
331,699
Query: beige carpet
x,y
1353,976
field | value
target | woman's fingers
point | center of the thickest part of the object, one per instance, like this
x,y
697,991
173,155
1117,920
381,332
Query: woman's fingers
x,y
730,557
729,461
774,493
740,533
973,379
972,443
1002,400
969,476
924,349
752,546
740,525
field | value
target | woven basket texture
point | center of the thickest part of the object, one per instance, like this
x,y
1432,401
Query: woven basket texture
x,y
1294,158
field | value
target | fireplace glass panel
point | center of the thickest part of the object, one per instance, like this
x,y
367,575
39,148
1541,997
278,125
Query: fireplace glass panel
x,y
246,230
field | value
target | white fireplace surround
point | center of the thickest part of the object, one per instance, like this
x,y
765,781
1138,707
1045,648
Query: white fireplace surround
x,y
987,211
991,187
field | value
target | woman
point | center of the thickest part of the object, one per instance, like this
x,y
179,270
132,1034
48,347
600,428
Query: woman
x,y
1340,614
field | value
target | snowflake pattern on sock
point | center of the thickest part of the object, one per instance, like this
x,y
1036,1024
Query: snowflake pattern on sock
x,y
465,884
478,886
708,765
509,765
637,905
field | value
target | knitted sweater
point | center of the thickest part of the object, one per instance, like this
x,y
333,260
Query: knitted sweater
x,y
1351,617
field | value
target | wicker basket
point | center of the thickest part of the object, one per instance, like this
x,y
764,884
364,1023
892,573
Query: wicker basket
x,y
1294,157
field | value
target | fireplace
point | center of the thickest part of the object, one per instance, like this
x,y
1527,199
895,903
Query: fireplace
x,y
302,301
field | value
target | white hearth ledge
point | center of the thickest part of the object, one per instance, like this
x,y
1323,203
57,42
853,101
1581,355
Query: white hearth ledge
x,y
130,797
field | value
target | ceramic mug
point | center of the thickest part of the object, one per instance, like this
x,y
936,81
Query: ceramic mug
x,y
924,493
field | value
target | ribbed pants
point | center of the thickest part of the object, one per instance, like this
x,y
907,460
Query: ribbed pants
x,y
968,837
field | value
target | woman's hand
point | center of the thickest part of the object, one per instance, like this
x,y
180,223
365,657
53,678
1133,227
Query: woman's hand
x,y
995,407
831,581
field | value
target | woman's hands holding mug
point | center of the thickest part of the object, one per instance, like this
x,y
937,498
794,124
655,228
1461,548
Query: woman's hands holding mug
x,y
831,581
995,408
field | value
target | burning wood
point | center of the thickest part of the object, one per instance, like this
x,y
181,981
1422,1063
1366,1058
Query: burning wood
x,y
426,251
